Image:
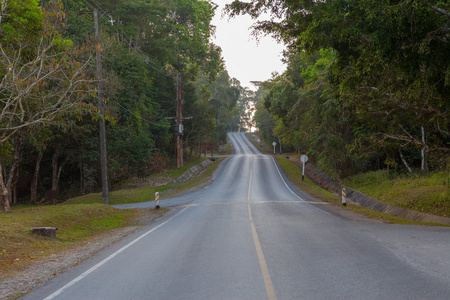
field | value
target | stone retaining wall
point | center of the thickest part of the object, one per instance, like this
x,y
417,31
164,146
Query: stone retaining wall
x,y
192,171
373,204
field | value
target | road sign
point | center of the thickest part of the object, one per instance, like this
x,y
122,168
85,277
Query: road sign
x,y
304,159
274,144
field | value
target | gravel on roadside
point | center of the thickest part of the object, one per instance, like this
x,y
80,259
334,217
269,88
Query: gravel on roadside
x,y
41,271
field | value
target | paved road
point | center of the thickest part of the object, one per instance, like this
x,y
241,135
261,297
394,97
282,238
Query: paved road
x,y
251,235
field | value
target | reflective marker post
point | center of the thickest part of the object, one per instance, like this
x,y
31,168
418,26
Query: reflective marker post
x,y
344,197
157,200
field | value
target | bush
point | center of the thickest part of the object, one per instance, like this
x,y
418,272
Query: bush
x,y
363,179
156,165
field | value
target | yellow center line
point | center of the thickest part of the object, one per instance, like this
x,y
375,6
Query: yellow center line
x,y
262,261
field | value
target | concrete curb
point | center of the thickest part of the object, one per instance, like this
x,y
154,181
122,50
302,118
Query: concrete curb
x,y
373,204
192,171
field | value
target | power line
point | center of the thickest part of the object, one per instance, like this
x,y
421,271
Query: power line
x,y
108,18
168,105
119,30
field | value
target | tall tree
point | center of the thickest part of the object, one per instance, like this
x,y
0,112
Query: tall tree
x,y
41,79
391,71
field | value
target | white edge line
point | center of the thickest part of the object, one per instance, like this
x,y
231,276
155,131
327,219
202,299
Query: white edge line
x,y
285,181
86,273
292,191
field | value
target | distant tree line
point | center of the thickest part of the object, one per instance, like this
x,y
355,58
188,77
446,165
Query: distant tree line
x,y
367,85
48,95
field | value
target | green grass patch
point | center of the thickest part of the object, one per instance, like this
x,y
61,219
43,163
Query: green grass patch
x,y
125,196
75,223
228,149
197,182
250,137
295,176
428,194
146,193
175,172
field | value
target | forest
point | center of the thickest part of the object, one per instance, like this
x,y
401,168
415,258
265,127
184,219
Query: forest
x,y
367,85
366,88
50,91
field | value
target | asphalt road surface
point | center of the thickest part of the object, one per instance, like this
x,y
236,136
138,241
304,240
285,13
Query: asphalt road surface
x,y
252,235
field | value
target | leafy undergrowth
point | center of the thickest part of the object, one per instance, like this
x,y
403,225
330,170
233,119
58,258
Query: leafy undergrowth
x,y
428,194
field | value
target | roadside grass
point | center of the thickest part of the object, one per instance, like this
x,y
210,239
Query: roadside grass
x,y
295,176
424,193
78,220
124,196
229,148
195,183
427,197
175,172
146,193
249,135
74,223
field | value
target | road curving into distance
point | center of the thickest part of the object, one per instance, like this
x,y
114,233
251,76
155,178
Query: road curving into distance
x,y
252,235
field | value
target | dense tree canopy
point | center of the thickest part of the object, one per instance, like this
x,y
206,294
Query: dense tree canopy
x,y
388,79
49,136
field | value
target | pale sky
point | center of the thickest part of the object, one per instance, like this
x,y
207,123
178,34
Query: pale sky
x,y
245,58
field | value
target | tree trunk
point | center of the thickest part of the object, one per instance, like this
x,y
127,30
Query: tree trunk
x,y
55,170
404,161
34,182
81,179
422,152
58,176
3,192
12,172
14,186
9,182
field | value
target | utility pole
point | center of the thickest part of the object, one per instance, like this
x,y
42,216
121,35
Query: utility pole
x,y
101,106
179,122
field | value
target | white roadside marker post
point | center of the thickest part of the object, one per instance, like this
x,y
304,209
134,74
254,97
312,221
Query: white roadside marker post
x,y
157,200
344,197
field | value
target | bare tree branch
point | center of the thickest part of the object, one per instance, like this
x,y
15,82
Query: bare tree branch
x,y
439,10
40,90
